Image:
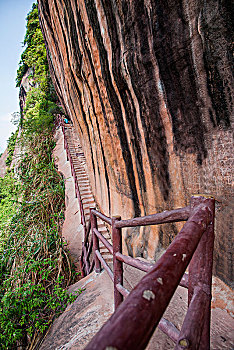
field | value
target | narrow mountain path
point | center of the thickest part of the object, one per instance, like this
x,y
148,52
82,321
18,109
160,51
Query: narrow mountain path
x,y
86,194
82,319
72,230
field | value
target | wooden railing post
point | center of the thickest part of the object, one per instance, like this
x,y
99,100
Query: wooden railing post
x,y
200,268
93,219
117,265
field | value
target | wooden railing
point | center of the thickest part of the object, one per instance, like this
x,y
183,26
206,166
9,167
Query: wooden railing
x,y
135,319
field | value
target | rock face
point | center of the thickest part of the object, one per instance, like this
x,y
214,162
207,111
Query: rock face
x,y
148,85
25,86
3,167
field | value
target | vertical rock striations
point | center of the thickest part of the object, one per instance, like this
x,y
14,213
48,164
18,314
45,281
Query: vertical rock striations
x,y
148,85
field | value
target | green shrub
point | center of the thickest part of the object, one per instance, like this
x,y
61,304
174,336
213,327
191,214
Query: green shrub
x,y
35,268
11,147
9,191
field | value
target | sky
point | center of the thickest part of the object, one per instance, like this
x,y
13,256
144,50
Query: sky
x,y
12,30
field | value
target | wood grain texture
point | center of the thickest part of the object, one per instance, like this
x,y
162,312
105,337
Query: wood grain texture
x,y
148,85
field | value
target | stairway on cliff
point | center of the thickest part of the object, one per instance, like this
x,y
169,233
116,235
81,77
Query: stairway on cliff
x,y
82,319
87,198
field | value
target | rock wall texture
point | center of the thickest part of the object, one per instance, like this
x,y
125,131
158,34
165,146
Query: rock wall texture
x,y
148,85
3,167
25,86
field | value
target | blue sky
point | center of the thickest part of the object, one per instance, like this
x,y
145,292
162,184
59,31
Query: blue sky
x,y
12,30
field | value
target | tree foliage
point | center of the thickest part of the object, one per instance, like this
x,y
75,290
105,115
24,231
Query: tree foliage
x,y
34,56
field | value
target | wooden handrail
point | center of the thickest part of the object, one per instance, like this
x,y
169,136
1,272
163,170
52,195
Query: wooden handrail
x,y
169,329
105,265
135,318
103,240
122,290
141,265
154,291
181,214
101,216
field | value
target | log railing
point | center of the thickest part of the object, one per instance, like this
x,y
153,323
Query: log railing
x,y
135,318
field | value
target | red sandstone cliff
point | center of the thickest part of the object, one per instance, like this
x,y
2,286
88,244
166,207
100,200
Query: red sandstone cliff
x,y
148,85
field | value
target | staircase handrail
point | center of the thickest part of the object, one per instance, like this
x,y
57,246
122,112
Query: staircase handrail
x,y
134,320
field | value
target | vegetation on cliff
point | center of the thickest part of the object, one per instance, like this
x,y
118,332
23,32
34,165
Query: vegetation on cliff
x,y
11,147
9,191
34,55
35,268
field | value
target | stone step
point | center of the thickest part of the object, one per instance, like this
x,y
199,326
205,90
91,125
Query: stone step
x,y
85,191
80,174
84,184
80,178
88,205
80,170
88,196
